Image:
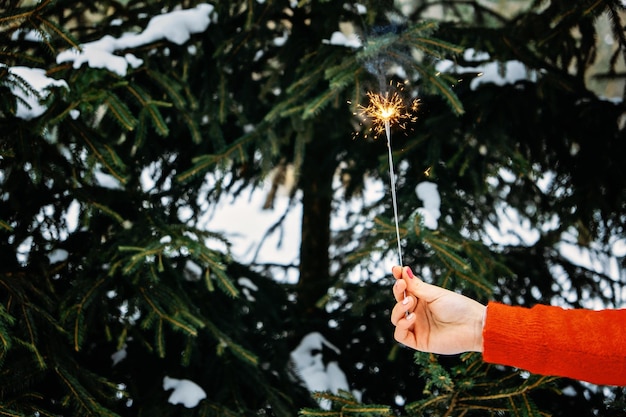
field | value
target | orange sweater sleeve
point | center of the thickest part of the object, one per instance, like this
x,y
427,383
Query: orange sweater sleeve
x,y
581,344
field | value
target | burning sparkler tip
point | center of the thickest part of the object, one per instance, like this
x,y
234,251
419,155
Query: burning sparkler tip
x,y
388,109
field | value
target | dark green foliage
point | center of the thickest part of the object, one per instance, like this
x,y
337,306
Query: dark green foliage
x,y
94,262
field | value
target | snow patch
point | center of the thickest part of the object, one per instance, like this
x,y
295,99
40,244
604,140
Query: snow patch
x,y
316,376
186,392
37,79
431,200
499,73
351,40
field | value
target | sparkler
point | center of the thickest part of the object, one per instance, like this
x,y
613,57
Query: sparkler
x,y
385,110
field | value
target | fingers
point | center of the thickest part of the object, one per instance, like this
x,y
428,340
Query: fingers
x,y
405,273
399,290
402,315
404,332
412,284
403,276
402,307
415,286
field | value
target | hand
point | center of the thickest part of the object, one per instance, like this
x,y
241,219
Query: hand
x,y
433,319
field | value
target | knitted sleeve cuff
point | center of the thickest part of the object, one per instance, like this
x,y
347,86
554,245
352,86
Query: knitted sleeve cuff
x,y
582,344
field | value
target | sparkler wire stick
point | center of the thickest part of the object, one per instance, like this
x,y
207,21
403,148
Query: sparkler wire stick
x,y
394,200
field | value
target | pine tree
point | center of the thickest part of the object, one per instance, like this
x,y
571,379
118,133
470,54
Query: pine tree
x,y
110,281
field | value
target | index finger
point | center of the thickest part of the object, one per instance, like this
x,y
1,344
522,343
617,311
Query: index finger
x,y
396,271
399,290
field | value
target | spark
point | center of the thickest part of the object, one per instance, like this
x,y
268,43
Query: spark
x,y
386,110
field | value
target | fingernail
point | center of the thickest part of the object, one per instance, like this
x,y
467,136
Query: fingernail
x,y
405,301
409,272
410,316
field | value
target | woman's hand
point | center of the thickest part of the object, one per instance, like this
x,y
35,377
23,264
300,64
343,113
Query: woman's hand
x,y
433,319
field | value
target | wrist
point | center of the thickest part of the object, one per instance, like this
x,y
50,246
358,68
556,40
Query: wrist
x,y
479,324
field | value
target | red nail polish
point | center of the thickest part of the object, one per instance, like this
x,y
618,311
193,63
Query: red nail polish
x,y
410,273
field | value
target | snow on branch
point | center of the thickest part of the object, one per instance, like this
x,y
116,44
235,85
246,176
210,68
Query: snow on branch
x,y
176,27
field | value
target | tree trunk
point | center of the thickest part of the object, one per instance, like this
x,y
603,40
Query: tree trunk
x,y
316,185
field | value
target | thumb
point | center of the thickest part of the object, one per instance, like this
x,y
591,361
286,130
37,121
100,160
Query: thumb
x,y
419,288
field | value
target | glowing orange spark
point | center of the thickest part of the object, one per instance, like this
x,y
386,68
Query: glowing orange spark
x,y
386,110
